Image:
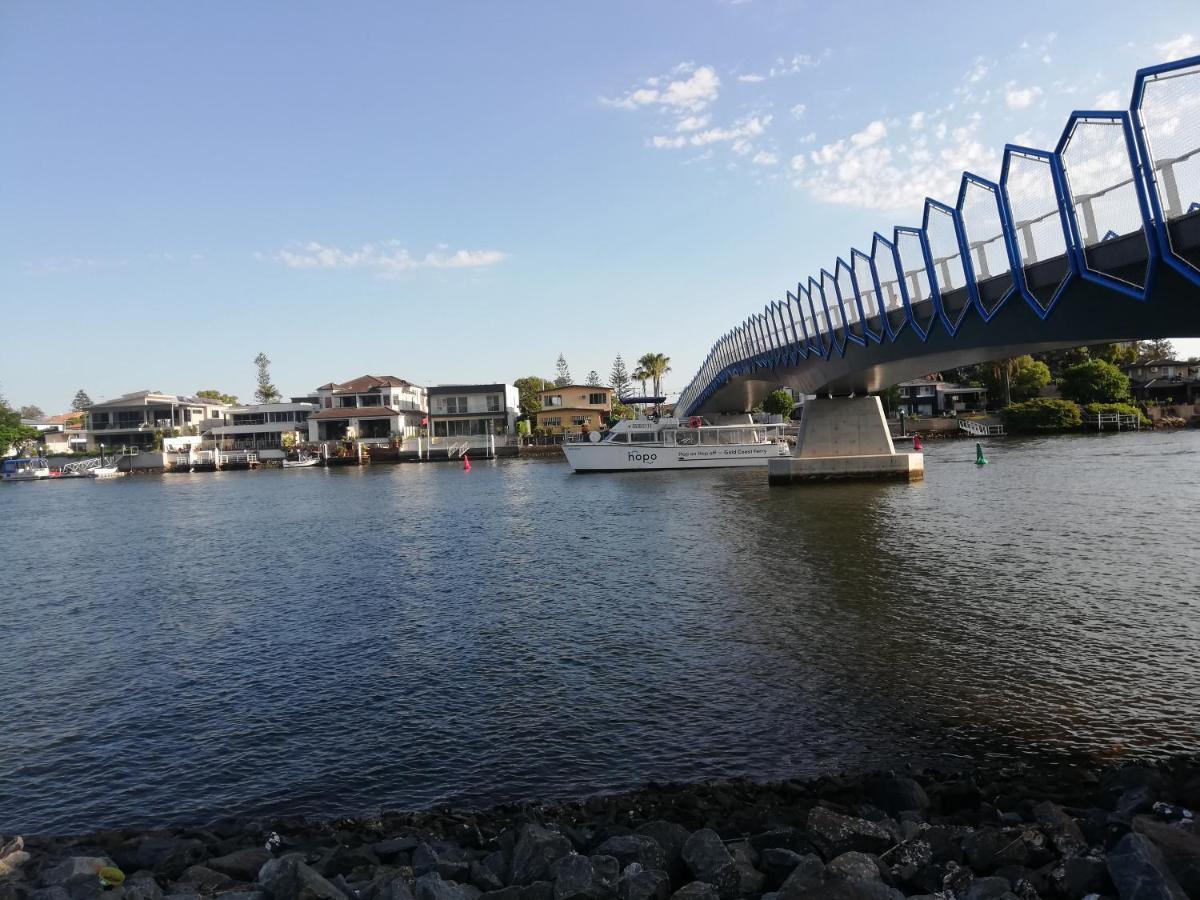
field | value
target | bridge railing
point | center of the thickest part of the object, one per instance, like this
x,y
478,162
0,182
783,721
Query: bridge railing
x,y
1115,175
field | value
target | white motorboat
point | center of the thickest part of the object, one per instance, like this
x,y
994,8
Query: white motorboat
x,y
104,471
304,462
640,444
24,469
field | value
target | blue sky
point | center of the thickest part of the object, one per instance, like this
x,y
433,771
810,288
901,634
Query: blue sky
x,y
459,191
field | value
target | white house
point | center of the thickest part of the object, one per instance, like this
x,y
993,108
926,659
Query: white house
x,y
262,426
131,419
473,410
371,408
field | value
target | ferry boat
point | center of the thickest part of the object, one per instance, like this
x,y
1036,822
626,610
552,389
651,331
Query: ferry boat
x,y
639,444
24,469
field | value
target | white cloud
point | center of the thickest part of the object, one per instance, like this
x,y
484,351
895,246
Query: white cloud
x,y
1109,100
798,111
740,131
1020,98
692,123
387,258
916,120
872,134
763,158
798,162
1178,48
978,71
751,78
668,143
809,138
692,94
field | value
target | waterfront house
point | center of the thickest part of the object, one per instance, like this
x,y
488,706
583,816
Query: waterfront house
x,y
131,420
262,426
572,407
934,397
370,408
473,410
1165,381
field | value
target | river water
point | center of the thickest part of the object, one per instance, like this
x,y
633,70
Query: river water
x,y
182,647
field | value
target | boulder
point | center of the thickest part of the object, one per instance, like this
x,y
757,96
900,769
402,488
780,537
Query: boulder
x,y
1181,850
167,856
509,893
537,850
76,869
1083,875
993,888
289,878
635,848
576,878
424,859
455,865
1139,872
708,861
12,861
670,837
485,877
808,874
854,866
777,864
850,890
696,890
206,880
1062,830
750,881
895,794
392,848
638,883
986,848
142,886
240,865
432,887
788,838
389,885
834,834
539,890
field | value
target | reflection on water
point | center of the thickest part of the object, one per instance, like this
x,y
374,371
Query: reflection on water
x,y
335,641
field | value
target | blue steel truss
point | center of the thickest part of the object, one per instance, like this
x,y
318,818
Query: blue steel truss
x,y
1006,236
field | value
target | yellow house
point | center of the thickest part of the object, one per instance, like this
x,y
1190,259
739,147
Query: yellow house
x,y
572,407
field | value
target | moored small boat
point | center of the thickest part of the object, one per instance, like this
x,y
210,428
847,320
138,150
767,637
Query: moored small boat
x,y
24,469
303,462
640,444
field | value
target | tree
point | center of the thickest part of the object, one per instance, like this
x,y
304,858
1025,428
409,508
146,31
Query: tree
x,y
82,401
32,412
1094,381
655,365
1160,348
1018,378
266,392
11,429
528,388
1042,414
619,379
1118,354
563,378
641,376
593,379
227,399
779,403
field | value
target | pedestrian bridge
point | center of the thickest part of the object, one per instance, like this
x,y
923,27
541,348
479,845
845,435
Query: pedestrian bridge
x,y
1094,241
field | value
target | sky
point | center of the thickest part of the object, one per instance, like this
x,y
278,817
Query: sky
x,y
458,192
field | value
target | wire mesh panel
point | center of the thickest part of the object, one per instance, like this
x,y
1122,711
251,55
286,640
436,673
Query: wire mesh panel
x,y
941,233
821,328
833,308
796,320
815,343
1106,203
891,293
1167,110
1030,189
987,244
868,294
913,263
848,297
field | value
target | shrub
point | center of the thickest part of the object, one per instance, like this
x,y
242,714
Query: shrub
x,y
1094,381
1091,410
1042,414
778,403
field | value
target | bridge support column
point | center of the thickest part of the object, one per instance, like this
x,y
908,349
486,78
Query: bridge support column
x,y
845,438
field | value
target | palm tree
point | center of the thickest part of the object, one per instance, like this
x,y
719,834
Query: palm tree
x,y
655,365
640,374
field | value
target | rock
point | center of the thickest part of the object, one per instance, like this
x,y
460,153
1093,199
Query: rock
x,y
12,861
536,851
391,848
787,838
850,890
76,869
343,860
915,853
808,874
206,880
834,834
708,861
424,859
895,794
576,878
750,881
455,865
1063,831
1136,800
696,890
389,886
1083,875
635,848
671,837
638,883
142,886
987,848
54,893
432,887
777,864
240,865
854,866
988,889
1139,871
539,890
1181,850
289,878
168,856
508,893
484,877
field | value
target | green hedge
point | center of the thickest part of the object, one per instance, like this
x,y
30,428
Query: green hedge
x,y
1042,414
1092,410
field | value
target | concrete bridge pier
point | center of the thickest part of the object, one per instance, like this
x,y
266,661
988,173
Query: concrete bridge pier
x,y
845,438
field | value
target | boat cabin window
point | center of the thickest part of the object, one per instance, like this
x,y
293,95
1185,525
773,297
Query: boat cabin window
x,y
622,438
643,437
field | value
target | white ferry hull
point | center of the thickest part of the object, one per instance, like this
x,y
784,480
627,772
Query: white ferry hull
x,y
626,458
25,476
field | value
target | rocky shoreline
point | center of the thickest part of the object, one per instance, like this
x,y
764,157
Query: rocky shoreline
x,y
1052,830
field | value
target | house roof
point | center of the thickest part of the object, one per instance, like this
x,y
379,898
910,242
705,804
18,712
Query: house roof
x,y
586,387
364,383
352,412
439,389
142,398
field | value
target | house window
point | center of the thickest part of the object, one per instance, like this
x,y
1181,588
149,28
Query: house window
x,y
454,405
493,403
580,420
597,399
551,420
552,400
369,401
